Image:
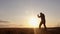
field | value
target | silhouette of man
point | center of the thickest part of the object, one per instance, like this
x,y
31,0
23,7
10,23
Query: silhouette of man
x,y
42,16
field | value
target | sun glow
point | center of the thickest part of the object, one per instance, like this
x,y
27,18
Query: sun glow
x,y
33,22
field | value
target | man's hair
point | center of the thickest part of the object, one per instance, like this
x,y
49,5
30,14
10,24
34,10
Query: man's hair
x,y
41,13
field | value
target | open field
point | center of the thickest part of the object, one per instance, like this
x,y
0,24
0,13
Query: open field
x,y
55,30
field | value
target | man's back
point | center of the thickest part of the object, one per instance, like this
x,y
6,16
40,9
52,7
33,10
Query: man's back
x,y
42,17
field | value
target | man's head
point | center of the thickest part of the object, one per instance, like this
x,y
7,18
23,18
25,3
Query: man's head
x,y
41,13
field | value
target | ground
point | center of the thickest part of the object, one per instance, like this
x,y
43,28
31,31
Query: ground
x,y
54,30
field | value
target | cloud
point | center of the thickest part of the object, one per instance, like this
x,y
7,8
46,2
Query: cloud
x,y
1,21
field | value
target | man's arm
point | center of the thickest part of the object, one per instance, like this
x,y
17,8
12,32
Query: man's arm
x,y
38,16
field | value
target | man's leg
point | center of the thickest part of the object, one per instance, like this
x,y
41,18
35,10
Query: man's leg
x,y
45,26
40,25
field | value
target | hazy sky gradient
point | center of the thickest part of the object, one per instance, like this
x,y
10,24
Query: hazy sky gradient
x,y
19,11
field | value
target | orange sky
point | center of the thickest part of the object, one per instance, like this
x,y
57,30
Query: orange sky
x,y
20,12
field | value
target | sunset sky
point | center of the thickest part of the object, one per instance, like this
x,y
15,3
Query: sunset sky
x,y
19,13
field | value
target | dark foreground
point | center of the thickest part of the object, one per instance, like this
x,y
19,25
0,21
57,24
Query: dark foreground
x,y
55,30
